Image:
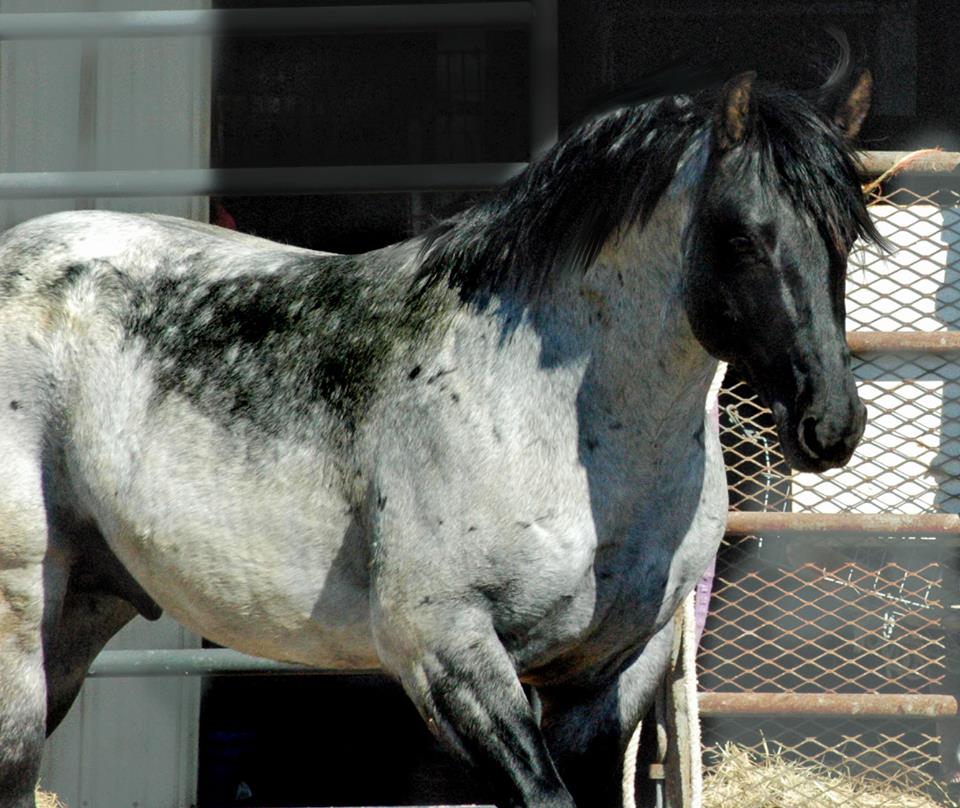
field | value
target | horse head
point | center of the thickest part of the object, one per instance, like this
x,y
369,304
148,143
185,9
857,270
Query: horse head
x,y
766,254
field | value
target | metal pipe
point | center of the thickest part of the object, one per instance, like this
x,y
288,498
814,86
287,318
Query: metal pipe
x,y
900,341
859,705
745,523
330,179
874,163
200,662
544,80
264,21
256,181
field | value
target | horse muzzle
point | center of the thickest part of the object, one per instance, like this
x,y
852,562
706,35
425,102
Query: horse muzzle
x,y
823,437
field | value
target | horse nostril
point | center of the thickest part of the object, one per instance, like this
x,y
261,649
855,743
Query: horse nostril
x,y
808,437
826,440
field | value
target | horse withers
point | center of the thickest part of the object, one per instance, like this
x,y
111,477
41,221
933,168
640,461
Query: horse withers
x,y
476,459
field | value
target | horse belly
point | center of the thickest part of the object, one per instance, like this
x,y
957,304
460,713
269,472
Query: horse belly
x,y
254,578
248,544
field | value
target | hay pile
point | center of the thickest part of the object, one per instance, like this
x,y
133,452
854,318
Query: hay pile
x,y
47,800
743,779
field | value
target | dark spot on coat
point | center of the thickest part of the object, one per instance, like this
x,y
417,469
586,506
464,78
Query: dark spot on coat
x,y
381,501
14,405
276,349
471,529
454,398
62,282
414,373
440,373
592,444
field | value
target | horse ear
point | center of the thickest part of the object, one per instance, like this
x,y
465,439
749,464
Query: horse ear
x,y
850,113
733,116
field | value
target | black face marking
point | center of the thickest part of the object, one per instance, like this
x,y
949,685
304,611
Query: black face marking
x,y
316,335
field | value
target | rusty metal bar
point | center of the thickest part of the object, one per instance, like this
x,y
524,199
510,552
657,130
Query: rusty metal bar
x,y
894,341
858,705
874,163
745,523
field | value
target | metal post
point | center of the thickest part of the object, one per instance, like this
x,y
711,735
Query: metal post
x,y
544,84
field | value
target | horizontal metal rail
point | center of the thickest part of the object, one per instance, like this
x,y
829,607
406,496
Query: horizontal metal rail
x,y
865,705
861,342
874,163
265,21
257,181
202,662
301,180
746,523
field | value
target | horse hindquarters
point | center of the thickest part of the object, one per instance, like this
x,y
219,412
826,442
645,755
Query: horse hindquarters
x,y
22,687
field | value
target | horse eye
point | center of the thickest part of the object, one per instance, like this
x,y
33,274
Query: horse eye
x,y
742,244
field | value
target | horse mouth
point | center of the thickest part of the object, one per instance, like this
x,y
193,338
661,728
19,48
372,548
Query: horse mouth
x,y
801,447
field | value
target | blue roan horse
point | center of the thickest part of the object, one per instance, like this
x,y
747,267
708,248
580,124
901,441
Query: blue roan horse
x,y
476,459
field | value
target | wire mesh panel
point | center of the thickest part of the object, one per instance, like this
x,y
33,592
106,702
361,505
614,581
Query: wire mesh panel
x,y
853,613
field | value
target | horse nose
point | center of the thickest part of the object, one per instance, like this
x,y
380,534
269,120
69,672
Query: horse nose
x,y
832,438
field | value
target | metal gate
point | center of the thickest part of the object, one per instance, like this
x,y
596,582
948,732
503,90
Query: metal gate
x,y
829,669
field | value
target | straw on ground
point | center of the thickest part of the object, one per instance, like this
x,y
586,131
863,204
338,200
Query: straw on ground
x,y
742,778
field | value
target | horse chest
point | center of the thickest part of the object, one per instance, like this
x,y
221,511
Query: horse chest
x,y
643,568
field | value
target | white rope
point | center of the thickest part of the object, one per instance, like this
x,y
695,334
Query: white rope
x,y
690,696
713,393
630,769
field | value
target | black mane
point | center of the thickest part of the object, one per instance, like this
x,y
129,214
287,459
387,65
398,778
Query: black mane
x,y
611,170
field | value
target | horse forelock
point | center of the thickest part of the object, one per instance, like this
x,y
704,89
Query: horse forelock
x,y
804,157
612,170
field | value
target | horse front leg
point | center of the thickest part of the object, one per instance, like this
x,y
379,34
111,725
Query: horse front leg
x,y
588,730
461,679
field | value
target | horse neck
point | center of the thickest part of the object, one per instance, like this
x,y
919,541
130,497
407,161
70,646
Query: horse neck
x,y
646,370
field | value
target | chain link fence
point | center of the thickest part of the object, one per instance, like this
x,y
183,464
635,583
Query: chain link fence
x,y
859,623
